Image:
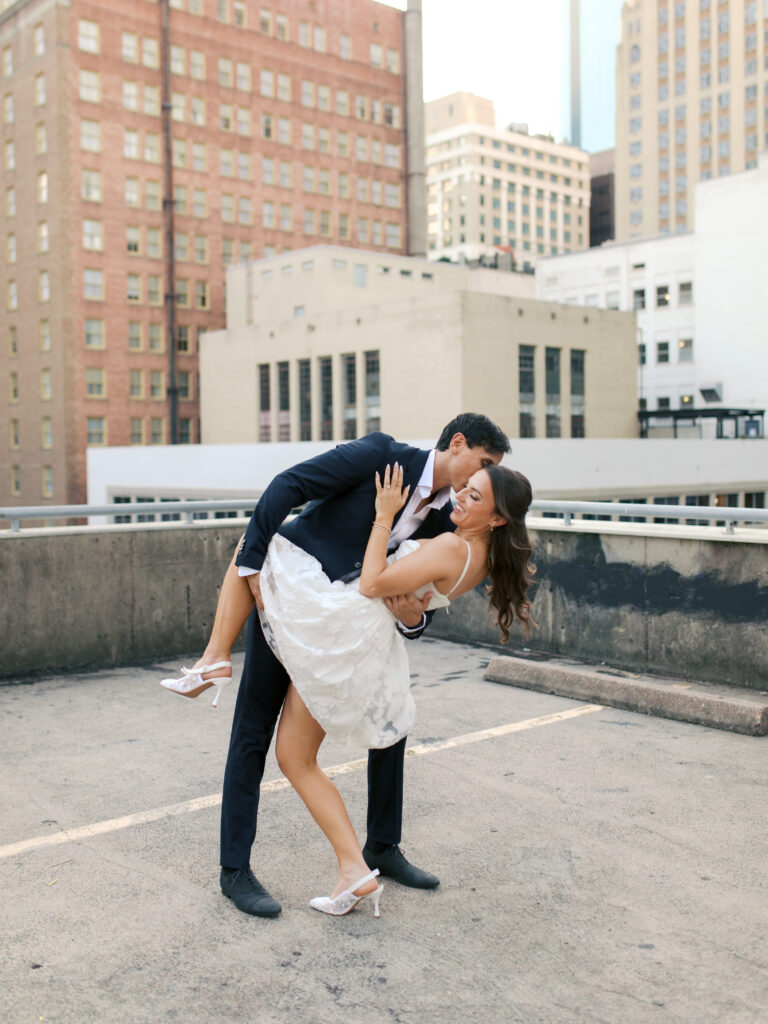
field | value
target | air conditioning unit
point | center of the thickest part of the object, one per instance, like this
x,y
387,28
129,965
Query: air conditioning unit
x,y
711,392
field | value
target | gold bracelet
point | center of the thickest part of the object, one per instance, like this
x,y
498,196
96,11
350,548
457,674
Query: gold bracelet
x,y
380,526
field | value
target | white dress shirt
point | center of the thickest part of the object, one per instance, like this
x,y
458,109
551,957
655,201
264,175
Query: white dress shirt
x,y
411,520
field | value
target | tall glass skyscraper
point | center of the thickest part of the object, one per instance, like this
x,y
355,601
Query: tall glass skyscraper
x,y
591,32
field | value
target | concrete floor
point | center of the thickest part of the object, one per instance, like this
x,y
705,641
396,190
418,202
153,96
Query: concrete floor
x,y
596,865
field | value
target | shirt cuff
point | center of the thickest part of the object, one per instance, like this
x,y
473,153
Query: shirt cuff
x,y
244,570
413,629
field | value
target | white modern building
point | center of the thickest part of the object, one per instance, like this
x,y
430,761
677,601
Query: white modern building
x,y
698,298
653,278
495,192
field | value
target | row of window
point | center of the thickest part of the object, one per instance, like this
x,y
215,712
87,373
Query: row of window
x,y
274,391
145,98
147,145
509,147
139,335
663,352
46,486
511,228
664,295
448,167
96,430
134,49
46,434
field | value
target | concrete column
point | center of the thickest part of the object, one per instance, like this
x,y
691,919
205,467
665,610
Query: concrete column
x,y
415,155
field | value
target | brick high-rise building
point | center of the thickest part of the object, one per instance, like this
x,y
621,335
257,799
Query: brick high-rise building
x,y
146,142
691,104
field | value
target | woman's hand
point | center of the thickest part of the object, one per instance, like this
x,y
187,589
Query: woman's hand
x,y
390,495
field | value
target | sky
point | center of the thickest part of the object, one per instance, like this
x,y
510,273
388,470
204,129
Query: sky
x,y
504,50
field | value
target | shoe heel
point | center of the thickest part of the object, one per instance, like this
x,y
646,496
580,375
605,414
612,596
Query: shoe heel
x,y
220,684
376,898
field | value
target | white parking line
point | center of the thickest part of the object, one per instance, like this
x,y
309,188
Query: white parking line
x,y
101,828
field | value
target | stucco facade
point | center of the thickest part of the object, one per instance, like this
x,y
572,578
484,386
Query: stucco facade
x,y
323,345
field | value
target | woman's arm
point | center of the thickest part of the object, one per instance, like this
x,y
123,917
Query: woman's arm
x,y
433,562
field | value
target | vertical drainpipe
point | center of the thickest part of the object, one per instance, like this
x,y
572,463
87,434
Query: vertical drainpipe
x,y
168,206
415,160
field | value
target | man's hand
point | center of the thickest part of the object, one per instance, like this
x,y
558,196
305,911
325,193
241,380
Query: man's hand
x,y
408,609
253,583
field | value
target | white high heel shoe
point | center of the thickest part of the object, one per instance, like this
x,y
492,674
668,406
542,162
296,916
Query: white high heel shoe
x,y
347,900
192,683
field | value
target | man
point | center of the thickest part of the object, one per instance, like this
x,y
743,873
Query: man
x,y
334,527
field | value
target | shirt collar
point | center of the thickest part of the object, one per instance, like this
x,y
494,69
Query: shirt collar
x,y
426,483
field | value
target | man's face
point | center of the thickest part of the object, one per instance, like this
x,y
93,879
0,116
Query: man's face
x,y
465,461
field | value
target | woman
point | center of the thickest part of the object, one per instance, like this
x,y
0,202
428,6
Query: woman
x,y
346,660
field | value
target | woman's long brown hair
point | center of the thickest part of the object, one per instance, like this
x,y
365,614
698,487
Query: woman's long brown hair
x,y
509,552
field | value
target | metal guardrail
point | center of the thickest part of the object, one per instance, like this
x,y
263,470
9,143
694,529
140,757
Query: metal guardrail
x,y
192,510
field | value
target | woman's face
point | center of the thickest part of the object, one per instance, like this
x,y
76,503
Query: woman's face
x,y
474,509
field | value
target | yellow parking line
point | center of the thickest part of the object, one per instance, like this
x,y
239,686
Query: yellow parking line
x,y
201,803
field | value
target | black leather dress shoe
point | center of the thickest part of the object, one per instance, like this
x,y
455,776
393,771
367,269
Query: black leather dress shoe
x,y
391,862
247,893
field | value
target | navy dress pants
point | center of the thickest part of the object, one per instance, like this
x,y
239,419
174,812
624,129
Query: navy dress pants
x,y
263,687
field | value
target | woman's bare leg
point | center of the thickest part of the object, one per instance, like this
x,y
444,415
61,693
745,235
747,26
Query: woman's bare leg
x,y
298,740
234,606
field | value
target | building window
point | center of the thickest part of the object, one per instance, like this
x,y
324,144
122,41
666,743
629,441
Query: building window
x,y
685,350
136,383
283,402
156,385
134,336
156,430
90,86
137,430
553,425
156,338
305,400
662,351
96,430
325,369
577,425
662,295
93,235
685,294
265,406
95,382
88,36
93,284
349,395
577,373
94,333
372,391
552,378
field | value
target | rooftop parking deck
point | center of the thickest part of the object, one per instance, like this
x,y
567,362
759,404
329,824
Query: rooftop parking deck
x,y
597,865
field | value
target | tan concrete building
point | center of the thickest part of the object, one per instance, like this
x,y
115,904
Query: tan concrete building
x,y
500,191
691,104
277,123
326,344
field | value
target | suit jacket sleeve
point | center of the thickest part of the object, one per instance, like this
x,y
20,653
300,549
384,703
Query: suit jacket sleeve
x,y
330,473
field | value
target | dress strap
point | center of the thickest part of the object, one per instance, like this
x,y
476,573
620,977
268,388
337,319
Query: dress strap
x,y
464,570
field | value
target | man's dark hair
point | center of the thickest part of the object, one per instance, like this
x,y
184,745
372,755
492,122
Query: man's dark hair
x,y
478,431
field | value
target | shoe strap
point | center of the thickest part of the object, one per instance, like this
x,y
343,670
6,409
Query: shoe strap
x,y
206,668
361,881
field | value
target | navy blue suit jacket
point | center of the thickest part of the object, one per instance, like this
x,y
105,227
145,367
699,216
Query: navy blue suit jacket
x,y
339,486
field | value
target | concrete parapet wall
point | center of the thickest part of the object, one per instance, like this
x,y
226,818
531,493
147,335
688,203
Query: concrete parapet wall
x,y
685,602
77,598
690,603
